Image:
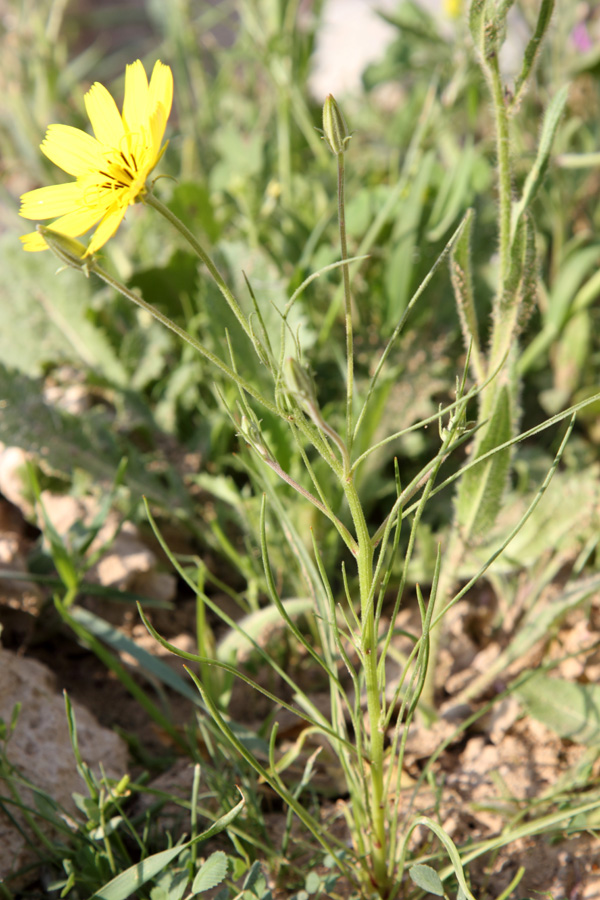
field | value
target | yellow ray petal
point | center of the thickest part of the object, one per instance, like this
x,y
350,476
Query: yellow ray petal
x,y
49,202
33,242
104,115
72,150
106,228
161,87
78,222
135,104
160,101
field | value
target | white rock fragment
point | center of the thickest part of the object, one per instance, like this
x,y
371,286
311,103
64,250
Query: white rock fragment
x,y
41,751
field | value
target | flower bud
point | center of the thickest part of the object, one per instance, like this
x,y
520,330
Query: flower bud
x,y
300,385
251,434
335,130
68,250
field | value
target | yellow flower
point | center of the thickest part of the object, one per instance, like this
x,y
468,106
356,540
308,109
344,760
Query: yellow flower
x,y
112,168
453,8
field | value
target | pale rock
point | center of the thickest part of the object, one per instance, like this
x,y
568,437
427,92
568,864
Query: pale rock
x,y
41,751
12,464
353,35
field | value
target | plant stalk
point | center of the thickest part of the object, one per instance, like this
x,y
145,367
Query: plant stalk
x,y
378,837
153,201
347,299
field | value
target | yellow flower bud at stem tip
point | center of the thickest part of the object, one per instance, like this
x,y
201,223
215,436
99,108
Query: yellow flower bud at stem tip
x,y
335,130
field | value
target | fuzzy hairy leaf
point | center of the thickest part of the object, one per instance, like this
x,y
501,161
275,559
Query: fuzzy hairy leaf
x,y
462,284
64,442
533,48
476,22
482,487
571,710
538,170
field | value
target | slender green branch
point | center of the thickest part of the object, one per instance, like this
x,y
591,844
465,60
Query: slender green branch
x,y
374,700
347,300
184,335
153,201
340,527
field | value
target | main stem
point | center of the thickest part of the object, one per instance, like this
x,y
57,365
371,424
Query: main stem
x,y
378,839
347,300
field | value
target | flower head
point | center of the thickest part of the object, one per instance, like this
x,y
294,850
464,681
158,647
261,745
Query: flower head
x,y
111,168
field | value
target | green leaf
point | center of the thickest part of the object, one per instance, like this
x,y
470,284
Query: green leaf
x,y
533,48
538,170
462,283
455,861
129,881
482,487
427,879
211,873
154,667
571,710
312,883
252,877
257,623
400,267
476,22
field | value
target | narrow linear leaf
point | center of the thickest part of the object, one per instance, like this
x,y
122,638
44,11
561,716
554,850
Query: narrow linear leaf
x,y
211,873
538,170
462,284
452,852
532,50
481,487
150,664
